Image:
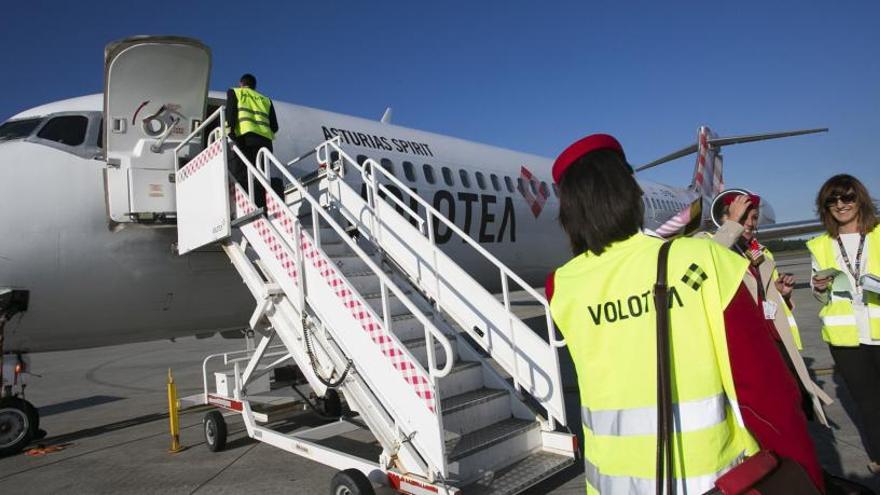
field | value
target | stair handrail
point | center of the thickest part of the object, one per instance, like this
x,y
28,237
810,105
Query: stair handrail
x,y
366,169
433,212
431,331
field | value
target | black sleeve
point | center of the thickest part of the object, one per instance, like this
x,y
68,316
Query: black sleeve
x,y
231,111
273,121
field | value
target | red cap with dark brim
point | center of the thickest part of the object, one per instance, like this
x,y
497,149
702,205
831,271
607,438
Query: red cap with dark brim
x,y
728,199
580,148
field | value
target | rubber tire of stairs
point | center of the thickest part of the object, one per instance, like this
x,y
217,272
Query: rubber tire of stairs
x,y
351,482
214,420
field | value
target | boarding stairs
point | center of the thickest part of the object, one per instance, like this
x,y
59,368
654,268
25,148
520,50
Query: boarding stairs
x,y
460,395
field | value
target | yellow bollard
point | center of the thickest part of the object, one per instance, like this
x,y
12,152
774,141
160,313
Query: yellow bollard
x,y
173,419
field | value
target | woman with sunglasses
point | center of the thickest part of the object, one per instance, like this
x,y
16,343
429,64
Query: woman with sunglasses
x,y
842,258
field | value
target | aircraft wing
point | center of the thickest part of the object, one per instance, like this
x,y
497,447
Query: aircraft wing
x,y
789,229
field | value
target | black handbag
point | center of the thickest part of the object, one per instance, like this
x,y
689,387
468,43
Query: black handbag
x,y
764,473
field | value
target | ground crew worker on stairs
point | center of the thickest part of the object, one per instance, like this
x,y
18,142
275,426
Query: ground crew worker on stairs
x,y
737,213
731,390
851,312
252,125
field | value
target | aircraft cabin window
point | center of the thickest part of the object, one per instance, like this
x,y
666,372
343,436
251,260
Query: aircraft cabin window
x,y
465,178
556,191
532,187
387,165
18,129
508,183
447,176
519,185
496,184
409,171
361,159
481,180
429,173
67,129
545,191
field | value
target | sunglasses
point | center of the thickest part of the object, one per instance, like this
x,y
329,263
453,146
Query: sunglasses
x,y
847,199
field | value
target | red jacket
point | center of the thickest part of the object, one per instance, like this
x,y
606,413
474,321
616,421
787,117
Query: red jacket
x,y
768,396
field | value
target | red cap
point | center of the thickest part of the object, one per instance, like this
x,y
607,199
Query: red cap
x,y
580,148
728,199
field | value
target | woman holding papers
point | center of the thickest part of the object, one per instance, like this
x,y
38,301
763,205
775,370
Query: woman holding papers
x,y
846,266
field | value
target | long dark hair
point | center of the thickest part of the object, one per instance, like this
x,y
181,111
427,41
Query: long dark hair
x,y
837,186
600,202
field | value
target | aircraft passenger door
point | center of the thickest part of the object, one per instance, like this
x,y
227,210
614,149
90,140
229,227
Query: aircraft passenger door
x,y
155,95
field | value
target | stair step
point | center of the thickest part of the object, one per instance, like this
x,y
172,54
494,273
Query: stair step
x,y
351,265
395,305
464,377
470,411
520,475
364,282
461,446
419,350
335,248
491,448
407,327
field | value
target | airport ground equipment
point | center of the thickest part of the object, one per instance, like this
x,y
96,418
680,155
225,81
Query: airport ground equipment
x,y
19,419
449,391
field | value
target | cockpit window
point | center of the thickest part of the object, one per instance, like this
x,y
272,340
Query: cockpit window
x,y
18,129
67,129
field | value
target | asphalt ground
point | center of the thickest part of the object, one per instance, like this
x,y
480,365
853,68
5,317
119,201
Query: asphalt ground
x,y
105,410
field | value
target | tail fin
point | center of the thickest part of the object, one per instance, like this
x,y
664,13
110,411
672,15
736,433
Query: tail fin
x,y
708,178
708,172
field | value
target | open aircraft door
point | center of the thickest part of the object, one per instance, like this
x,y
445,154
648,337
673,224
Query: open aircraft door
x,y
155,94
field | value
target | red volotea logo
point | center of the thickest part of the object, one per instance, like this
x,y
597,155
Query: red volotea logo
x,y
535,201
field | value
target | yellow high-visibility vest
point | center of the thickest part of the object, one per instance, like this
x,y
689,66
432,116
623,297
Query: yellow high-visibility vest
x,y
604,307
253,113
838,319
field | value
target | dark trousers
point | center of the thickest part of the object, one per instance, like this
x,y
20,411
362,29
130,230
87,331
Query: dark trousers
x,y
860,369
250,145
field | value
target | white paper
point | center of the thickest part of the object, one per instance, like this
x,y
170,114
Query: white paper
x,y
770,310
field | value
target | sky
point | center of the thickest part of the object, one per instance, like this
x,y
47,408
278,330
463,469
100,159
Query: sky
x,y
529,76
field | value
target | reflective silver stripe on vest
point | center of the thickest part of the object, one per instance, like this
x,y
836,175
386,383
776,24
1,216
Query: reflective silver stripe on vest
x,y
255,122
255,112
839,320
622,485
688,416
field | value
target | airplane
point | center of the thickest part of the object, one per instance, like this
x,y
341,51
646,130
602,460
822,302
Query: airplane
x,y
83,263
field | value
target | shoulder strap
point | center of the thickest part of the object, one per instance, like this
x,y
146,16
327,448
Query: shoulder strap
x,y
664,390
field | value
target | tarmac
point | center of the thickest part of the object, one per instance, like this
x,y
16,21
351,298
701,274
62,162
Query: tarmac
x,y
105,411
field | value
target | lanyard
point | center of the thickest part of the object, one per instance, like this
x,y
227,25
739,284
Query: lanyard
x,y
855,273
754,270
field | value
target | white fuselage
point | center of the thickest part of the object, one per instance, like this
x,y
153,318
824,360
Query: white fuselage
x,y
91,285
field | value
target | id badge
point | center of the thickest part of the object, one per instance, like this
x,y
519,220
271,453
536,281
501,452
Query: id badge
x,y
769,310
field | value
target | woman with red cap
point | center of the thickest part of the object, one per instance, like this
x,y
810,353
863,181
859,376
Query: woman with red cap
x,y
737,213
730,389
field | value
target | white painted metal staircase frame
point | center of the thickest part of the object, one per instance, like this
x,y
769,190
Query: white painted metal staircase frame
x,y
305,301
532,362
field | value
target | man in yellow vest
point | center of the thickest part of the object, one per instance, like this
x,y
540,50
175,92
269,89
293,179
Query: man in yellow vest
x,y
731,390
252,126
